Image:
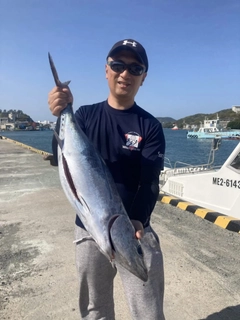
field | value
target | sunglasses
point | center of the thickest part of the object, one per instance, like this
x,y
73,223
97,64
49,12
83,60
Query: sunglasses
x,y
133,68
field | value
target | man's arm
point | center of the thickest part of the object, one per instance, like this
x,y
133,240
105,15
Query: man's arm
x,y
152,164
147,195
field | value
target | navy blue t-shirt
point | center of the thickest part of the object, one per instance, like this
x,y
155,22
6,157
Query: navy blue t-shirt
x,y
132,144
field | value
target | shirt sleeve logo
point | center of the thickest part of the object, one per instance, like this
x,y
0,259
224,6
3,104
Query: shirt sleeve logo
x,y
132,141
160,155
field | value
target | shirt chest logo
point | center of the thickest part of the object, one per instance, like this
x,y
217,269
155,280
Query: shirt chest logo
x,y
132,141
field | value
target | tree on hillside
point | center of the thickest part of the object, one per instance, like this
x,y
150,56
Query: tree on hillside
x,y
167,124
234,124
227,115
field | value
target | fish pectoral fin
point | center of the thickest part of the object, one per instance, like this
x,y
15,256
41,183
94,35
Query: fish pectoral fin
x,y
82,205
83,239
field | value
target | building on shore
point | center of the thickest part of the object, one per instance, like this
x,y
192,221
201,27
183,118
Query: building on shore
x,y
10,121
236,109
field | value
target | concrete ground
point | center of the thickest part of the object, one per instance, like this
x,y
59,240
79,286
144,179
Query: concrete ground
x,y
38,279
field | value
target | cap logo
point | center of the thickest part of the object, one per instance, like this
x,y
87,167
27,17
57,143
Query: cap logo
x,y
134,44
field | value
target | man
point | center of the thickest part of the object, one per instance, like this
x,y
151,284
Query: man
x,y
132,143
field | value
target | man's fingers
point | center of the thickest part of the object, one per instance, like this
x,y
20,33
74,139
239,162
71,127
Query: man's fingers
x,y
139,234
138,228
57,110
58,99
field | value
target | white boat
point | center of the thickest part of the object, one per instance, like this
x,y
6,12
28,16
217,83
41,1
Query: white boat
x,y
213,187
211,129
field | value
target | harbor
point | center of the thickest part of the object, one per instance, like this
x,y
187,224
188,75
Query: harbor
x,y
38,275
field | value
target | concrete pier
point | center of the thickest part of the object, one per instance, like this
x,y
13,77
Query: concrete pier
x,y
38,279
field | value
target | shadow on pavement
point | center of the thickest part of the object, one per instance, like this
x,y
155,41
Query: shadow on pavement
x,y
229,313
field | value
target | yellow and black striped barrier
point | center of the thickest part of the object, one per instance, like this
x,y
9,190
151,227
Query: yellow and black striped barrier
x,y
219,219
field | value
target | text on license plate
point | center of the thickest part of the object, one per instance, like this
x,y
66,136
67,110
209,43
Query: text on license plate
x,y
230,183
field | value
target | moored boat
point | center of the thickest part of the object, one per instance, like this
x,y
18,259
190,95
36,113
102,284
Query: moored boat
x,y
175,127
211,129
213,187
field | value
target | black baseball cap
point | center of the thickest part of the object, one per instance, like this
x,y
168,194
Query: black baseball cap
x,y
132,45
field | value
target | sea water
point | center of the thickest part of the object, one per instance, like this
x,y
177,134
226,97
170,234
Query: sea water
x,y
178,147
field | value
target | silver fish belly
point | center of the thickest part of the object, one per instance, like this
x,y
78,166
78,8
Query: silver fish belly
x,y
91,190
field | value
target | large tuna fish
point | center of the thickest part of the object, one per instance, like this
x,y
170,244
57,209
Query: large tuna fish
x,y
91,190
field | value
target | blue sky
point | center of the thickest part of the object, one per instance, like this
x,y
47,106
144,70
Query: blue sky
x,y
193,48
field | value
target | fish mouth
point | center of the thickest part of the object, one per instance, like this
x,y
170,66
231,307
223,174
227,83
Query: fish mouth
x,y
127,249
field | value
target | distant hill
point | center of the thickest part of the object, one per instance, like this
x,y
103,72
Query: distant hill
x,y
166,120
16,115
224,115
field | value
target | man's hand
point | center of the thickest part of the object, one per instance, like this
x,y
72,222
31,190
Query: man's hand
x,y
58,99
138,228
